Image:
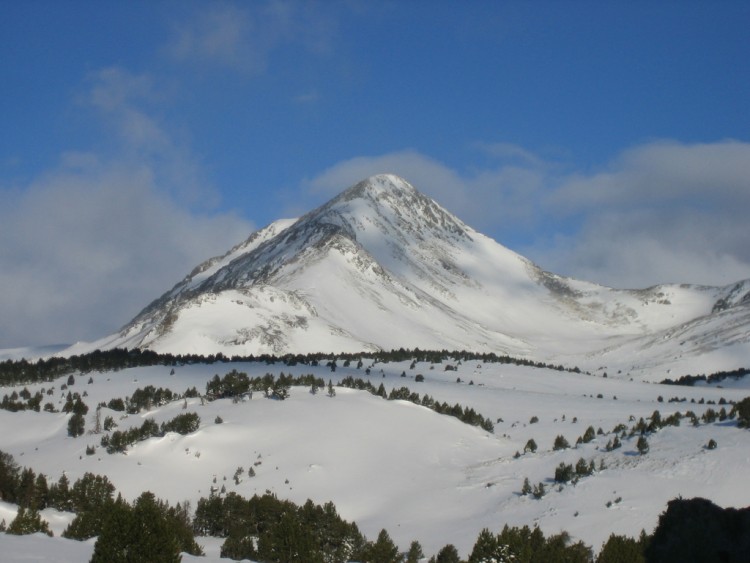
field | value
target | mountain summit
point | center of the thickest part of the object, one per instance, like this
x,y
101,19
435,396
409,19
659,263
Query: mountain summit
x,y
382,266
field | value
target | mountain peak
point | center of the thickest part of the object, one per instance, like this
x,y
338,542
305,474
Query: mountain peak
x,y
377,186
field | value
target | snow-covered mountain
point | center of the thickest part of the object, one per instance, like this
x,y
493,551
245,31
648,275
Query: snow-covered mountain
x,y
381,266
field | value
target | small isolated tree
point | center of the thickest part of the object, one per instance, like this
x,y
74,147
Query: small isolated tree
x,y
98,421
539,491
711,444
530,446
331,390
76,425
560,443
642,445
526,488
419,378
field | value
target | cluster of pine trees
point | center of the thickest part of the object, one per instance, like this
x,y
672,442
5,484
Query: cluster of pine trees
x,y
14,372
267,529
464,414
235,384
120,440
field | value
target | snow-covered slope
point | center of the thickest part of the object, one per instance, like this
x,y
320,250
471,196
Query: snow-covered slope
x,y
393,464
382,266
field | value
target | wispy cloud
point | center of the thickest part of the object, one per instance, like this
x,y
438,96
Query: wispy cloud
x,y
243,37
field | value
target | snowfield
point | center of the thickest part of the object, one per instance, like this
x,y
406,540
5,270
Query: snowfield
x,y
393,464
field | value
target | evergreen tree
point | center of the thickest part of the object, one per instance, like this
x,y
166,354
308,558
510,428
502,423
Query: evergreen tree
x,y
642,445
28,522
144,533
383,550
621,549
485,548
526,488
59,494
539,491
26,488
9,476
560,443
331,390
415,552
449,554
530,446
287,541
41,492
589,435
742,411
76,425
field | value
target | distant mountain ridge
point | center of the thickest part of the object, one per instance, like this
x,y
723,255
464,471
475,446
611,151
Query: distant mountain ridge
x,y
382,266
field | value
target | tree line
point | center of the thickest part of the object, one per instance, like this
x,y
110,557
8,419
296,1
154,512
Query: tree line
x,y
15,372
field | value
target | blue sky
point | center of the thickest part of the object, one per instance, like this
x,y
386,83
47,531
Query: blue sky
x,y
609,141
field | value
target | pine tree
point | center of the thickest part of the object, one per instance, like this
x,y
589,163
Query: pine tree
x,y
76,425
384,550
485,548
621,549
415,553
449,554
28,522
539,491
560,443
331,390
530,446
526,488
9,475
642,445
143,533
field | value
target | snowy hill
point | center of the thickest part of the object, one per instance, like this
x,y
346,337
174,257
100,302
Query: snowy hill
x,y
395,464
382,266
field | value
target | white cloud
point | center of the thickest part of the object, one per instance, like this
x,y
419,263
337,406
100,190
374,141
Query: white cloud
x,y
502,197
242,37
658,213
89,243
705,174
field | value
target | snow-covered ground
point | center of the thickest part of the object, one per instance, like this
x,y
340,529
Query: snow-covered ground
x,y
392,464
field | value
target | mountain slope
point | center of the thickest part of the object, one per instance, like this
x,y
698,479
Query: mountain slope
x,y
383,266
